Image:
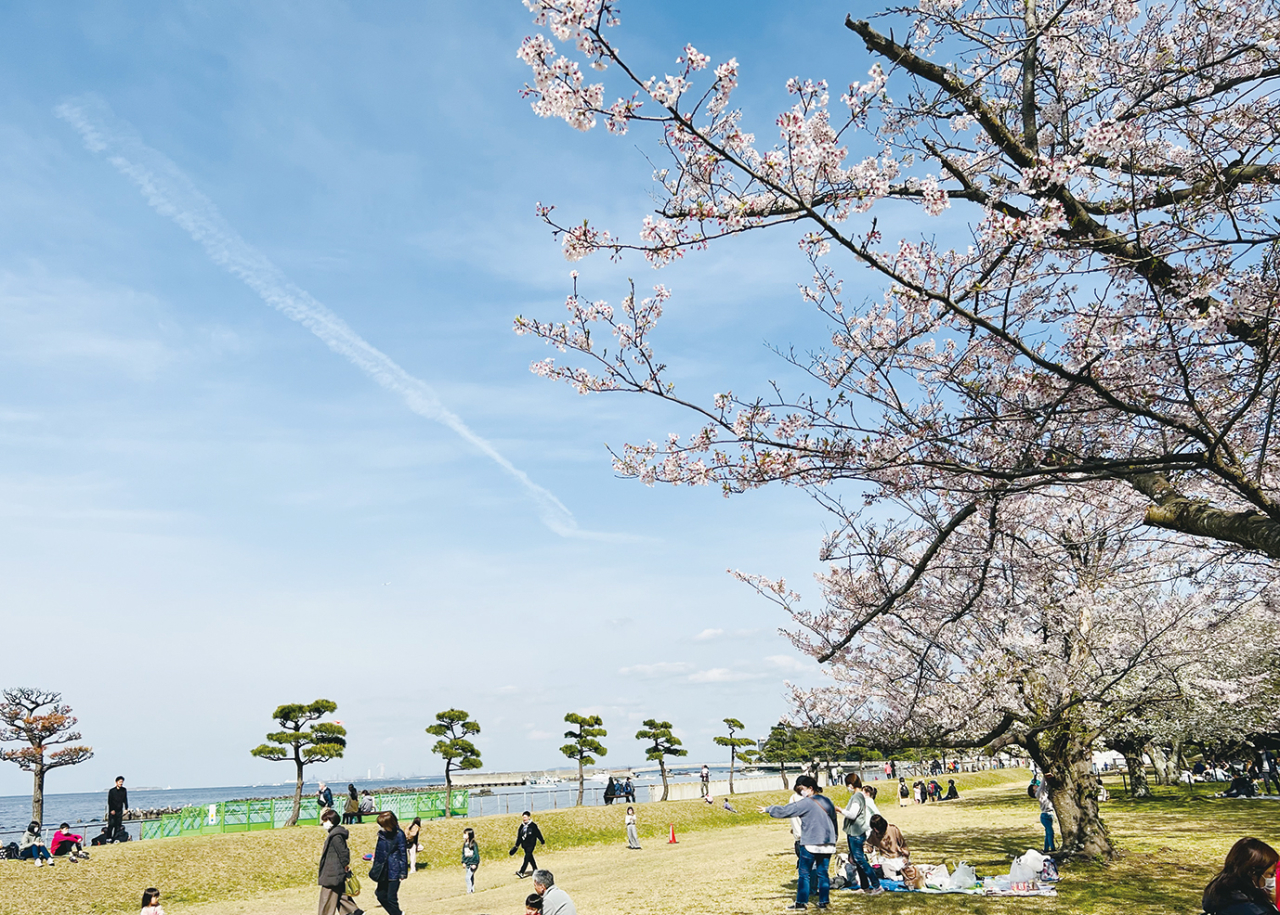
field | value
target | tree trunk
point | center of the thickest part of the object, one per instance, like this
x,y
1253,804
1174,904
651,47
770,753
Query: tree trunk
x,y
1160,762
662,767
733,758
297,794
782,767
448,791
1065,757
580,781
1138,786
37,793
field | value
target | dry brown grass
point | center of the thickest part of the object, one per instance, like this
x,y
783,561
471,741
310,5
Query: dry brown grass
x,y
723,865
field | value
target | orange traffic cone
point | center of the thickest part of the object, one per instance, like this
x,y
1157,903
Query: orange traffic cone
x,y
672,840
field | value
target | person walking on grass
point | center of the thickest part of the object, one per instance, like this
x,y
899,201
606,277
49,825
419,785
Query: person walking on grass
x,y
527,838
555,901
633,840
903,791
857,825
335,868
1247,883
470,857
390,863
815,833
411,845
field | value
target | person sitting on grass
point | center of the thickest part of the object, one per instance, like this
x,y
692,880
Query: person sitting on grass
x,y
1241,786
887,839
555,901
68,843
1247,883
952,793
32,846
151,902
533,904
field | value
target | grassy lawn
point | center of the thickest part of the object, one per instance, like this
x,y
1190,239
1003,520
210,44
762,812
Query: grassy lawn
x,y
736,865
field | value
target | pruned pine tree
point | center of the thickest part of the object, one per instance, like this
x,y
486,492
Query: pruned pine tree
x,y
453,727
584,743
304,739
664,744
738,746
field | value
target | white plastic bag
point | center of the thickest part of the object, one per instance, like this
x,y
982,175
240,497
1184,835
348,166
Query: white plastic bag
x,y
964,877
1027,867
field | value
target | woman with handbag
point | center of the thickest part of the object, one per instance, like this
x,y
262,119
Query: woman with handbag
x,y
390,862
335,869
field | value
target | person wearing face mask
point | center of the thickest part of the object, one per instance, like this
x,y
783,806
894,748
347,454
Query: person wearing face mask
x,y
335,867
814,828
1247,884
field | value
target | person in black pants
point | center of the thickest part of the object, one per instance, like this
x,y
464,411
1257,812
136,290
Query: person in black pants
x,y
527,838
117,804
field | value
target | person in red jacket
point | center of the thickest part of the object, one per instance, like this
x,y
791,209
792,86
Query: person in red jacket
x,y
65,842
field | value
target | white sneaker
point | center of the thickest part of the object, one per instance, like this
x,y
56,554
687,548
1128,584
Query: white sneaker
x,y
39,862
52,862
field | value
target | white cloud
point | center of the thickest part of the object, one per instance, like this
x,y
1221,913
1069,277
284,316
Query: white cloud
x,y
788,662
722,675
657,669
707,634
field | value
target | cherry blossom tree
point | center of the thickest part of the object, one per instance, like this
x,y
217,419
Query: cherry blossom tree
x,y
1085,630
1101,335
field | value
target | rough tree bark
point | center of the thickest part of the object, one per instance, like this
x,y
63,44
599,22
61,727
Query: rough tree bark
x,y
1065,754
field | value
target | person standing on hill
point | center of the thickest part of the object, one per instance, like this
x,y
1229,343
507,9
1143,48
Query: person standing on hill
x,y
335,868
527,838
324,798
117,804
633,840
470,857
351,809
705,776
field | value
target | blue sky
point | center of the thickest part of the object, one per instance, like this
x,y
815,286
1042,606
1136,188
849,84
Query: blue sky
x,y
205,512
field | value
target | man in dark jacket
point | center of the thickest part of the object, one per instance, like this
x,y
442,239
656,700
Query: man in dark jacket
x,y
527,839
335,867
117,804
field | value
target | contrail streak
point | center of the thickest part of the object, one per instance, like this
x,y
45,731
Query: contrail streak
x,y
171,193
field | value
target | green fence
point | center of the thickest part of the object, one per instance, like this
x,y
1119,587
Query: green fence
x,y
274,812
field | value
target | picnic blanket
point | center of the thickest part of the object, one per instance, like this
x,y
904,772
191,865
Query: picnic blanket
x,y
897,886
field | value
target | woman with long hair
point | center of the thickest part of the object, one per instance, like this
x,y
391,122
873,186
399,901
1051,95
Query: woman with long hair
x,y
633,838
470,857
351,809
1247,884
411,844
390,862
